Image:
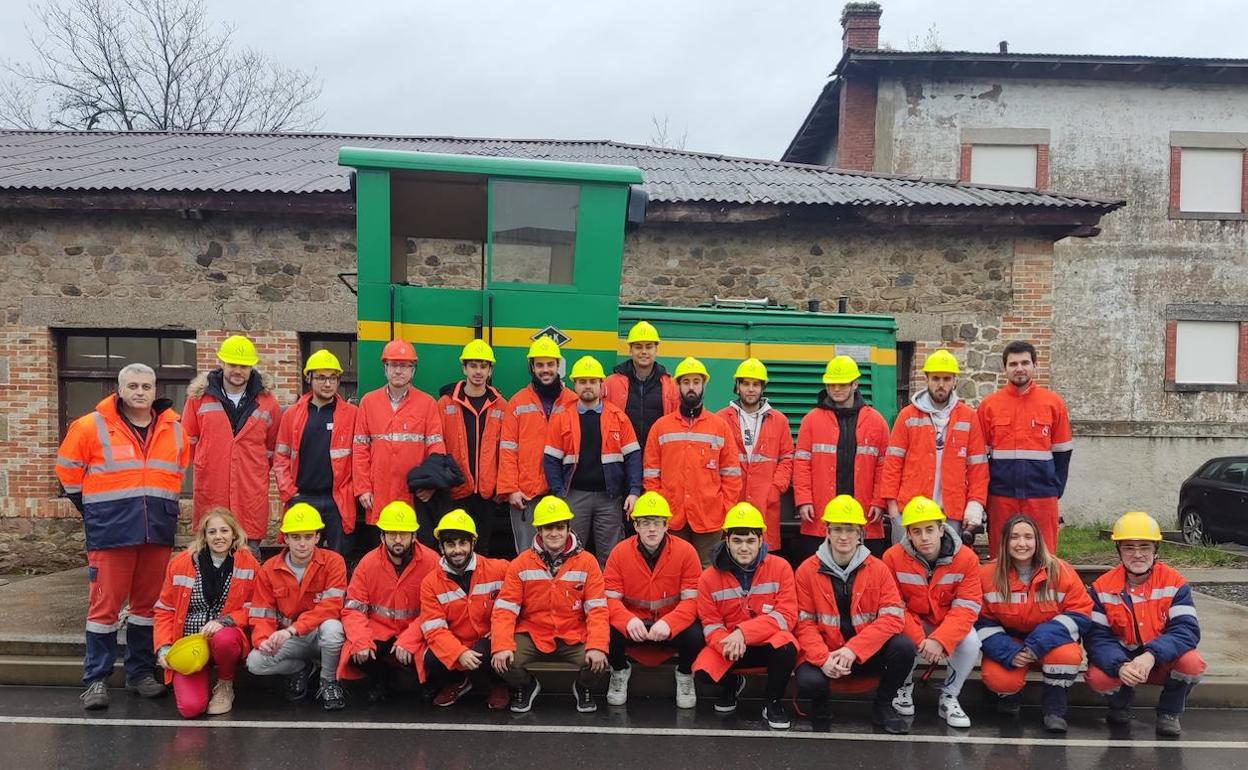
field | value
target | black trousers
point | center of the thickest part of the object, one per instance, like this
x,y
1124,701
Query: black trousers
x,y
892,664
383,667
778,661
437,675
484,514
688,644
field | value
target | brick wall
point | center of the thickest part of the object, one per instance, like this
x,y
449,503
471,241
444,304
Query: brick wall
x,y
1031,314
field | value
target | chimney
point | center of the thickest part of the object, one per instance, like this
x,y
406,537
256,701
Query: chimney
x,y
1004,46
861,22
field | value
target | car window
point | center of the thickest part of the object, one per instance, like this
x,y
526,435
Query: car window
x,y
1234,472
1211,470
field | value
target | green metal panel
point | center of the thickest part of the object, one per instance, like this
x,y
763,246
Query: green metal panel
x,y
362,158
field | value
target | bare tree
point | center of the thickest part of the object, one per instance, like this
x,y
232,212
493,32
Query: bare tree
x,y
930,41
661,137
149,65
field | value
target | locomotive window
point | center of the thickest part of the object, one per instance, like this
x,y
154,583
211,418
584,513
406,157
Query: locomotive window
x,y
533,232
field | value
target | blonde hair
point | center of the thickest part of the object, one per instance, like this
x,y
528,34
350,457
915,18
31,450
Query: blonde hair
x,y
1042,559
200,536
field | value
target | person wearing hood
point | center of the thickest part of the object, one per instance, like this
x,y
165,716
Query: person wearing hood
x,y
472,423
938,578
937,451
765,444
553,606
691,459
121,466
641,386
748,608
840,451
522,443
231,420
850,621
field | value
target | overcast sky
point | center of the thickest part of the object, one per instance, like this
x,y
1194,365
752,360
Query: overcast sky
x,y
736,76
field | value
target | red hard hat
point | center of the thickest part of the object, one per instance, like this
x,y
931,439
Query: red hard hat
x,y
399,350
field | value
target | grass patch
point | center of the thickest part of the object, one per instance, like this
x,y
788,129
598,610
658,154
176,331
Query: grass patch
x,y
1084,545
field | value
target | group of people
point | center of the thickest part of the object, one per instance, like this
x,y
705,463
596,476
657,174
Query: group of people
x,y
700,581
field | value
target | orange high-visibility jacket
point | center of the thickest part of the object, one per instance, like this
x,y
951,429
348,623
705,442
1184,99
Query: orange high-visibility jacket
x,y
619,452
910,464
949,599
452,620
814,464
874,604
615,390
127,490
668,592
1157,616
766,474
523,442
1029,442
341,442
175,598
381,603
452,405
1011,621
569,606
390,442
695,465
231,470
283,601
766,614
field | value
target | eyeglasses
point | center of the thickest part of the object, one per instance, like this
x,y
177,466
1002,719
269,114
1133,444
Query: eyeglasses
x,y
1145,549
324,378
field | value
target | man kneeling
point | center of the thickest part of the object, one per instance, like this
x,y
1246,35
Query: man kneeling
x,y
652,597
552,607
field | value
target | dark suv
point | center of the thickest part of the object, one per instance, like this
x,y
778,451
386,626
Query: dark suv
x,y
1213,502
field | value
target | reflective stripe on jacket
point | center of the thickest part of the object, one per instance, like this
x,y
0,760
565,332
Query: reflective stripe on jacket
x,y
695,465
381,603
766,474
1009,623
523,443
621,454
454,436
569,606
283,601
949,599
1029,442
874,604
452,621
390,442
174,604
766,614
341,444
814,464
910,461
1157,616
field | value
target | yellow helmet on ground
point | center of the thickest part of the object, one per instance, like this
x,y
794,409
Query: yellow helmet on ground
x,y
690,365
744,516
841,370
457,520
1136,525
651,504
301,517
941,362
322,359
188,655
477,350
919,510
587,368
751,369
550,510
545,347
643,331
238,350
844,509
397,516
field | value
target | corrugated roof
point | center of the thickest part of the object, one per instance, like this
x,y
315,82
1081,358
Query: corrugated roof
x,y
307,163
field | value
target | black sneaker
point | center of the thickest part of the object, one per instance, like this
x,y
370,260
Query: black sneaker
x,y
883,715
147,686
776,717
728,692
95,697
1168,726
584,700
331,696
821,709
297,684
1118,716
522,697
1054,723
378,692
1008,705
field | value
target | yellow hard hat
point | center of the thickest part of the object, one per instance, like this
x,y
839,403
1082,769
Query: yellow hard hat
x,y
744,516
841,370
690,365
1136,525
919,510
587,368
301,517
549,510
457,520
477,350
844,509
643,331
322,359
941,362
651,504
545,347
238,350
751,369
188,655
397,516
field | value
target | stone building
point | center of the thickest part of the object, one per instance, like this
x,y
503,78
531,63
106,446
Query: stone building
x,y
154,247
1149,340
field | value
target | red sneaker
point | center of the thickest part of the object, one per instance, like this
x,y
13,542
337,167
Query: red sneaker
x,y
498,698
452,693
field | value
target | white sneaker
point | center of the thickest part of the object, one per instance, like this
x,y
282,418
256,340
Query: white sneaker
x,y
903,702
951,711
617,691
686,693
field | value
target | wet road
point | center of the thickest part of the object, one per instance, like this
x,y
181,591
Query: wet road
x,y
46,728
